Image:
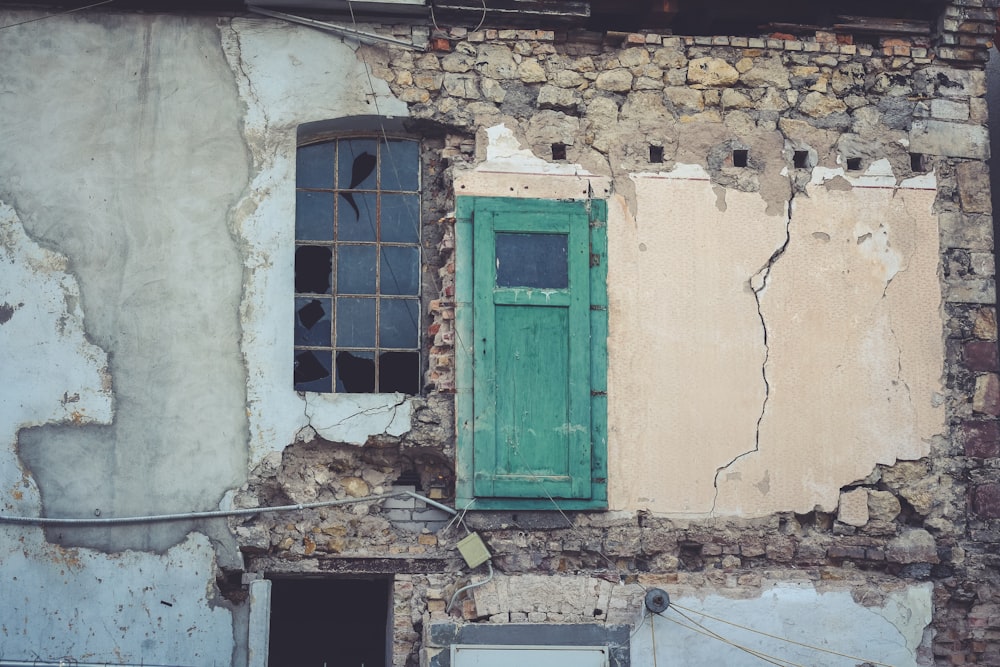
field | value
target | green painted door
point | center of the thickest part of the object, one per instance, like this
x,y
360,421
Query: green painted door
x,y
532,422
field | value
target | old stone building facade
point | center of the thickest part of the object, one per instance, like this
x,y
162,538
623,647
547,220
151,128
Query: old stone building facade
x,y
771,332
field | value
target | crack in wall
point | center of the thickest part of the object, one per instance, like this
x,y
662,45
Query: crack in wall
x,y
757,284
301,434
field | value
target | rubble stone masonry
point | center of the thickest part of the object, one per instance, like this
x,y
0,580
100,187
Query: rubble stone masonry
x,y
606,100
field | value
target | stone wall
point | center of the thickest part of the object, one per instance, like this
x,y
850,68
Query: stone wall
x,y
603,104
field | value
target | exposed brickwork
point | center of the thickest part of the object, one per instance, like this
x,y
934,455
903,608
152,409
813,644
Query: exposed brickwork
x,y
937,519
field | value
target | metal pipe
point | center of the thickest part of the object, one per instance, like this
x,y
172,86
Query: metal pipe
x,y
188,516
433,503
341,30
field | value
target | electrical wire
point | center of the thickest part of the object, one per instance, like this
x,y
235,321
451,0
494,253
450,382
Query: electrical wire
x,y
461,517
766,658
50,16
477,584
782,639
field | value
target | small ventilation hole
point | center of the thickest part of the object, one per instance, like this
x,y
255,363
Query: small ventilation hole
x,y
917,162
558,151
656,154
740,157
853,164
800,159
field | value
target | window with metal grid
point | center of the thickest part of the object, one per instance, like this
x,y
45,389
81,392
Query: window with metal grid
x,y
357,266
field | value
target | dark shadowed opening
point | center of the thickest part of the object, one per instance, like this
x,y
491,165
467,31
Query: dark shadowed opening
x,y
329,622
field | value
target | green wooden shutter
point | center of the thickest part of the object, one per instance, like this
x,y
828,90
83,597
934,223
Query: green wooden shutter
x,y
532,353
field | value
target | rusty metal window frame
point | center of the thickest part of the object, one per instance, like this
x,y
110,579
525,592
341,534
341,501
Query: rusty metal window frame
x,y
334,294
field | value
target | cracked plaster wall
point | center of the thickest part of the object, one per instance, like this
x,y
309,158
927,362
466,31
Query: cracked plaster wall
x,y
171,171
287,76
892,630
792,346
837,369
133,182
43,584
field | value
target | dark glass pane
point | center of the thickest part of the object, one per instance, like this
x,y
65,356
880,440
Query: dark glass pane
x,y
356,269
314,166
400,270
356,372
356,217
312,370
313,265
312,321
356,164
400,162
399,371
355,322
532,260
313,216
397,323
401,218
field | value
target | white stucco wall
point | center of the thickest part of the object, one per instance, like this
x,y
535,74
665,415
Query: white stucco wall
x,y
148,180
890,631
129,606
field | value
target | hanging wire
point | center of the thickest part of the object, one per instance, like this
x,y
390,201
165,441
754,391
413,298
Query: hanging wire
x,y
762,656
615,566
782,639
50,16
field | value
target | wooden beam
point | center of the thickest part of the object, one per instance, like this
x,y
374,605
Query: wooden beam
x,y
882,26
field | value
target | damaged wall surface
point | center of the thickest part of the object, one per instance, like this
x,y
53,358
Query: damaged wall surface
x,y
809,295
802,370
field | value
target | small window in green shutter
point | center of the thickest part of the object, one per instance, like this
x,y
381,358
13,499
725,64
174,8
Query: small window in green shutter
x,y
530,425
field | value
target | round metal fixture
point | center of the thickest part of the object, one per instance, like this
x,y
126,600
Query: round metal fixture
x,y
657,600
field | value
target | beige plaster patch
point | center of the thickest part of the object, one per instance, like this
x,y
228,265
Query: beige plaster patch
x,y
848,374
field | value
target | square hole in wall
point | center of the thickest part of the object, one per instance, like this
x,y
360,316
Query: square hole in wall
x,y
558,151
918,163
740,157
321,621
800,159
853,164
656,154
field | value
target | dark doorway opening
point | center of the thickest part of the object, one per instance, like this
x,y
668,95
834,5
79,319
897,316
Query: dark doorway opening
x,y
329,622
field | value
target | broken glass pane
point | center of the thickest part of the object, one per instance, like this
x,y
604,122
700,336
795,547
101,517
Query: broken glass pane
x,y
356,218
312,370
400,270
314,216
356,372
400,218
532,260
397,323
356,164
312,322
400,165
355,322
356,269
313,266
314,166
399,371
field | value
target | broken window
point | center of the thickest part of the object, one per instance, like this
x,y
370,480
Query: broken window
x,y
357,266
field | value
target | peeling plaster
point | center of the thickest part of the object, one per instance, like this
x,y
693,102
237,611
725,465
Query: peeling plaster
x,y
138,604
794,352
890,633
322,79
46,328
855,350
